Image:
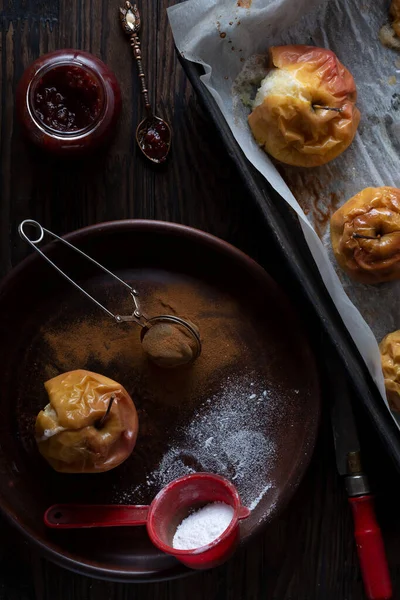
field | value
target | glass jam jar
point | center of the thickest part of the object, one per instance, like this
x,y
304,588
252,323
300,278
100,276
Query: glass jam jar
x,y
68,102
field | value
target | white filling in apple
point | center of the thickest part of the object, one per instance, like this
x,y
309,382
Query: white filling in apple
x,y
48,433
282,83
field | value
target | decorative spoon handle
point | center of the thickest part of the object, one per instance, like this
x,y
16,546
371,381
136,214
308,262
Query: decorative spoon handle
x,y
130,20
135,43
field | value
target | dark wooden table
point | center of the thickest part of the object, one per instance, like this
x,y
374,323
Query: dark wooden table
x,y
306,554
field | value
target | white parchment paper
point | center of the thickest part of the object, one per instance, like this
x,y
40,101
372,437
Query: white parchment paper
x,y
222,35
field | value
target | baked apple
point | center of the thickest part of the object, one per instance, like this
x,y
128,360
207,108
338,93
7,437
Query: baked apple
x,y
304,112
395,15
390,358
365,234
390,33
90,424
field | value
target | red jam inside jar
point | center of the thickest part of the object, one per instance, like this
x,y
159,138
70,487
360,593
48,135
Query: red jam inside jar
x,y
68,102
67,98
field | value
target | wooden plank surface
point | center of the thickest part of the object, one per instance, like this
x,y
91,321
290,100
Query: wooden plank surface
x,y
308,553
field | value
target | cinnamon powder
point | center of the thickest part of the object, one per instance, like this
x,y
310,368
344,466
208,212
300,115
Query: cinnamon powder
x,y
100,343
170,345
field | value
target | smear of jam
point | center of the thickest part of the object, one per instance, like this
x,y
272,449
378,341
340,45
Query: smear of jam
x,y
154,141
67,99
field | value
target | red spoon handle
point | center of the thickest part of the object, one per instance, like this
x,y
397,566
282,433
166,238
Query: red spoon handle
x,y
77,516
370,548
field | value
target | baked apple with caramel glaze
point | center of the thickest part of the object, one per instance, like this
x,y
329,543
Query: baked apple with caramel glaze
x,y
365,234
395,15
304,113
90,424
390,358
390,33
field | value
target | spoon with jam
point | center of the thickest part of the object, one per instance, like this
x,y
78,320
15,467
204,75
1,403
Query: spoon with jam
x,y
153,134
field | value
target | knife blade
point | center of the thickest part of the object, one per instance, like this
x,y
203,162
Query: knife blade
x,y
345,435
369,541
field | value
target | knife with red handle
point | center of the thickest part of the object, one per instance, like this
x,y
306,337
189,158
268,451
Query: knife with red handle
x,y
371,551
370,548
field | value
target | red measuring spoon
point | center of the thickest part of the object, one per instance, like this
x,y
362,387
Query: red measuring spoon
x,y
162,517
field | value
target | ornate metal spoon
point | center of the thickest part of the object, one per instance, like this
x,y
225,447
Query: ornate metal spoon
x,y
153,134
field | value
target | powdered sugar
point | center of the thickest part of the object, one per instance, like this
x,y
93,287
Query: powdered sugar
x,y
203,526
260,496
227,435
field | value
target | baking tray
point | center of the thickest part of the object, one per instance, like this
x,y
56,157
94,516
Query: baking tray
x,y
300,275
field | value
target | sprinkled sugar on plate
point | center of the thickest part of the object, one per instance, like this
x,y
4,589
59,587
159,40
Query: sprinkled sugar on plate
x,y
228,436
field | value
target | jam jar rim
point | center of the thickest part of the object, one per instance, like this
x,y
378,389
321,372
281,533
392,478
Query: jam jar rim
x,y
55,133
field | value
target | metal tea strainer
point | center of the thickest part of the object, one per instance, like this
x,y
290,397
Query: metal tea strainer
x,y
186,346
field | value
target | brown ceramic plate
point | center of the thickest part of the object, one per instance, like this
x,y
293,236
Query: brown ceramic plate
x,y
248,408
